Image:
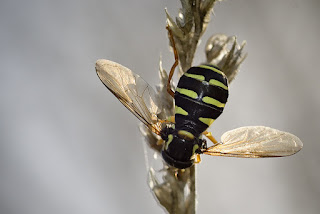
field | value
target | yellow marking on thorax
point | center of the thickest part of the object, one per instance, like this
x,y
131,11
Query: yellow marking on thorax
x,y
195,76
212,101
185,135
207,121
187,92
212,69
218,83
195,147
170,138
179,110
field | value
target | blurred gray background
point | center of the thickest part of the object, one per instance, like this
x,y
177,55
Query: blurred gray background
x,y
68,146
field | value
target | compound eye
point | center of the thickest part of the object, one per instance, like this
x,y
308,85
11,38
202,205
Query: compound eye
x,y
185,135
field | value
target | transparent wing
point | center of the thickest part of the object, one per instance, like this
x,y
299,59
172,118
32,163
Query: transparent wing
x,y
256,142
132,91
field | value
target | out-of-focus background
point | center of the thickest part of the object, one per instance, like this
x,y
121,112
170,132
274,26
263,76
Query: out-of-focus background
x,y
68,146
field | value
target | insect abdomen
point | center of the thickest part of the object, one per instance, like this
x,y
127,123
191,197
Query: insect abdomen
x,y
200,97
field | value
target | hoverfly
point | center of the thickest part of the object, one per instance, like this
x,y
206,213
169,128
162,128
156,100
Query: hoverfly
x,y
200,97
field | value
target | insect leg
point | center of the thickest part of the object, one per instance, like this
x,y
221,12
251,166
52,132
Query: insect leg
x,y
197,158
175,62
210,137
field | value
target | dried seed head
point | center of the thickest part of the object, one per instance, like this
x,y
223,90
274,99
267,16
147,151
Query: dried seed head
x,y
225,52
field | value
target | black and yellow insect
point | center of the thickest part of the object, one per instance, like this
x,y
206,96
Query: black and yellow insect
x,y
200,97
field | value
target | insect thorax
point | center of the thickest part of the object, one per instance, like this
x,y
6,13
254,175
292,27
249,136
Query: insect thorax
x,y
180,147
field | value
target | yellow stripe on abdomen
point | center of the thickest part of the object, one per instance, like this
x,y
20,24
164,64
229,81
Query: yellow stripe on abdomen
x,y
195,76
187,92
207,121
218,83
212,69
211,101
179,110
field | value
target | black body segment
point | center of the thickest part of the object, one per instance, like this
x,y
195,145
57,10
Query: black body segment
x,y
202,93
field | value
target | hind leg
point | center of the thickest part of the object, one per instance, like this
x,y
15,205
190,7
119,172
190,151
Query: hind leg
x,y
175,64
